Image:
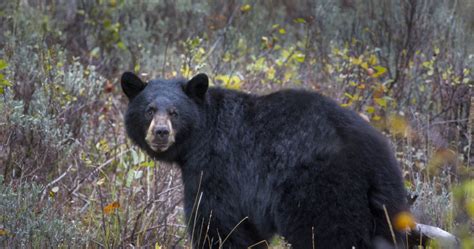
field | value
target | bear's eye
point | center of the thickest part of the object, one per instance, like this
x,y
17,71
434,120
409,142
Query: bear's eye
x,y
173,113
150,113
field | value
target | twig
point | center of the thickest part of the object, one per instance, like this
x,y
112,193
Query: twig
x,y
260,242
195,206
54,182
96,170
221,36
447,122
231,231
390,226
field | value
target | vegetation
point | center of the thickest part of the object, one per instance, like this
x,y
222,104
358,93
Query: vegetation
x,y
70,178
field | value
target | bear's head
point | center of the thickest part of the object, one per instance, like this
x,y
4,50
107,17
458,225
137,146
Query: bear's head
x,y
162,114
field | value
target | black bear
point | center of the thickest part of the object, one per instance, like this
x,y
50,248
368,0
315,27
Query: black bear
x,y
292,163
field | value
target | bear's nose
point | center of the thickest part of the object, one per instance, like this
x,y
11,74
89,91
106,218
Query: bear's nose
x,y
162,131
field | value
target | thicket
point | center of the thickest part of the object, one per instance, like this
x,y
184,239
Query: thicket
x,y
71,178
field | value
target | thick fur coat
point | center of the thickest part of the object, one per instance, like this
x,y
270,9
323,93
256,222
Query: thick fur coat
x,y
292,163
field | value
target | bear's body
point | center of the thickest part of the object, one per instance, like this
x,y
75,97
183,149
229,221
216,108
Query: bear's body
x,y
292,163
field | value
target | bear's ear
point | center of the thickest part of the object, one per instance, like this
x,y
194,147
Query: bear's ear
x,y
196,88
131,84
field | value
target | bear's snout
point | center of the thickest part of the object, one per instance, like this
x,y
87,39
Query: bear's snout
x,y
160,135
162,132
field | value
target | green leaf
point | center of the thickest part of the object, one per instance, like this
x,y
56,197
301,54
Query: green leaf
x,y
121,45
135,158
427,64
381,102
300,20
129,179
299,57
3,64
95,52
349,95
4,82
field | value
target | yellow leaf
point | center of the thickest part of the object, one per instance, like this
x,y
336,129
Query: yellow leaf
x,y
227,57
361,86
157,246
356,61
373,60
364,65
186,71
245,8
271,73
404,221
398,125
381,102
53,191
100,182
370,109
230,82
289,74
282,31
379,91
103,145
440,158
3,232
347,104
470,207
259,64
300,20
111,207
380,71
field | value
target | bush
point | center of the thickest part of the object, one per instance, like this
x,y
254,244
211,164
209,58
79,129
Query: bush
x,y
28,222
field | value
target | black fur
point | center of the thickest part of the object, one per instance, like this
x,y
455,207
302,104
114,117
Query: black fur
x,y
293,162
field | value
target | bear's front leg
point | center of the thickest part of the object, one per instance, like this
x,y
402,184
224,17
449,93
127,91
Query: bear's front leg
x,y
214,222
218,229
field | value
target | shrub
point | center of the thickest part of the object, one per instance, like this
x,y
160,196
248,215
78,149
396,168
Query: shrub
x,y
28,222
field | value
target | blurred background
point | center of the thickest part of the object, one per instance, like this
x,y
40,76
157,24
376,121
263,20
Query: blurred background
x,y
69,177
